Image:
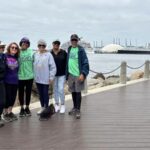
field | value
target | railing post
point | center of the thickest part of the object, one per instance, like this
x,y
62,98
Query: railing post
x,y
123,73
85,86
146,70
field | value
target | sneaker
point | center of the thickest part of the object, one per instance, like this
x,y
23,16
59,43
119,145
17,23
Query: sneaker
x,y
7,118
57,108
78,114
27,111
13,116
1,122
72,111
40,111
22,113
62,109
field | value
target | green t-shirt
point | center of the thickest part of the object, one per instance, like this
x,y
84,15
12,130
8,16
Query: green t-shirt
x,y
73,62
26,65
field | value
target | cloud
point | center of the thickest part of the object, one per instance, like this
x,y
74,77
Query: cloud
x,y
92,19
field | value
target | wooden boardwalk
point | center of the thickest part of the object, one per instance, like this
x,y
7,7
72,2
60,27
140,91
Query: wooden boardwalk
x,y
118,119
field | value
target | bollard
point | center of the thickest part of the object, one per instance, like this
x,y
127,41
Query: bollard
x,y
146,70
123,73
85,87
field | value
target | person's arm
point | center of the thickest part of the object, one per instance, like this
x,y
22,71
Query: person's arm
x,y
84,66
67,59
52,69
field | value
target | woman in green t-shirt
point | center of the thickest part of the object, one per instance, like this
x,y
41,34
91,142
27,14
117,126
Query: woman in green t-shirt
x,y
26,76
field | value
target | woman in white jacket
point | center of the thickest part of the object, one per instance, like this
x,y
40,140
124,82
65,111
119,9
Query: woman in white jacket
x,y
44,73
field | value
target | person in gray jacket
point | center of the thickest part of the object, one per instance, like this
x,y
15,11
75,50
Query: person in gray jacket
x,y
44,73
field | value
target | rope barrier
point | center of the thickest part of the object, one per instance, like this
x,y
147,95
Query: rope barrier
x,y
117,69
135,67
107,72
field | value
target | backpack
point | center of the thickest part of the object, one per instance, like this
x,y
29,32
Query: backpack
x,y
2,66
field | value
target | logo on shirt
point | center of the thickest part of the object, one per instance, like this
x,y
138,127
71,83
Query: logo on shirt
x,y
73,55
12,63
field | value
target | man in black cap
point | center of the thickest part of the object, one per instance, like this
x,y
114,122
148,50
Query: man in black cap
x,y
77,71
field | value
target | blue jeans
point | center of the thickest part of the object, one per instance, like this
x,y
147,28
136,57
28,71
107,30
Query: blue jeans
x,y
59,89
43,93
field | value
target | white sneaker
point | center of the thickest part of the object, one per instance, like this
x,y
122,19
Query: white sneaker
x,y
40,111
62,109
57,108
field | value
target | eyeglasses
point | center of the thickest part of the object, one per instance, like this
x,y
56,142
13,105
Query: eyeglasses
x,y
15,48
41,46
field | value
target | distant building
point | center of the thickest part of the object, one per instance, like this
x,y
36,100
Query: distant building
x,y
111,48
84,44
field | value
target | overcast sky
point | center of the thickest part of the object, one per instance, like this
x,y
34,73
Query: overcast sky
x,y
94,20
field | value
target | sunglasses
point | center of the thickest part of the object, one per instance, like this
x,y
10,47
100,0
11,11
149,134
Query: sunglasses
x,y
57,44
74,40
41,46
2,47
25,43
15,48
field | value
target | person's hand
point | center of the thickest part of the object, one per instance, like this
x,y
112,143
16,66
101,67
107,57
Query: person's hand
x,y
51,82
81,78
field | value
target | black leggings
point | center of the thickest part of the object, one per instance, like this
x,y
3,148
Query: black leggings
x,y
76,97
11,93
2,97
25,87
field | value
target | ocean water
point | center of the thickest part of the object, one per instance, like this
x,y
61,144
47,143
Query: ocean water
x,y
107,62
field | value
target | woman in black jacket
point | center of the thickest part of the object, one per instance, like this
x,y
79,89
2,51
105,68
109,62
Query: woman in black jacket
x,y
2,86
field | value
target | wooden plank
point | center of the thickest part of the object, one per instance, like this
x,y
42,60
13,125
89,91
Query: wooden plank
x,y
118,119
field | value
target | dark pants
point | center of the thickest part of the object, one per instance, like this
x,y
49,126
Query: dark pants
x,y
25,87
2,97
43,93
76,97
11,93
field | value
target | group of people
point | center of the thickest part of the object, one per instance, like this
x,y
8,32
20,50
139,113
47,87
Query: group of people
x,y
20,66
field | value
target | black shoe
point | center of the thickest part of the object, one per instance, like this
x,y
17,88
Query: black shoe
x,y
22,113
72,111
28,112
1,122
78,114
7,118
13,116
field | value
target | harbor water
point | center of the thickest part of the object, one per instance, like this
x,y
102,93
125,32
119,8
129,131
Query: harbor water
x,y
106,62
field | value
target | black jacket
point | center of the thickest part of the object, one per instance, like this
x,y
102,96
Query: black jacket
x,y
2,66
